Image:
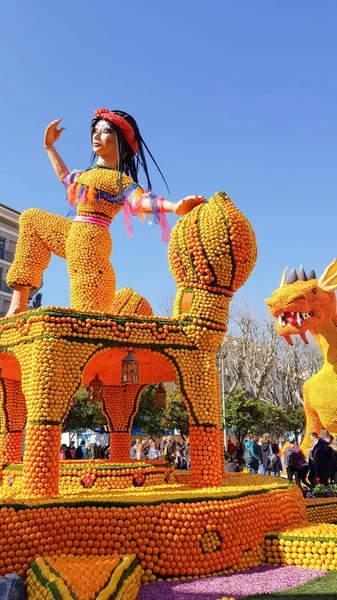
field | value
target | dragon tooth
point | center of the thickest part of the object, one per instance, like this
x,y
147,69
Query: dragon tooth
x,y
298,319
288,339
304,338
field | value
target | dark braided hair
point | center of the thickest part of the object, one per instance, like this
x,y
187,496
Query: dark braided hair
x,y
128,162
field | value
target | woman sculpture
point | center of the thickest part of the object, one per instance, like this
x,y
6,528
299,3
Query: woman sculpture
x,y
100,193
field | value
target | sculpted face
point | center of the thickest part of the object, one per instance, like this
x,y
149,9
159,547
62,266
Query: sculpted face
x,y
302,306
104,142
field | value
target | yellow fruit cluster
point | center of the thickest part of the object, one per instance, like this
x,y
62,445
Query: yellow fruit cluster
x,y
253,557
322,510
307,546
212,252
99,476
84,577
128,302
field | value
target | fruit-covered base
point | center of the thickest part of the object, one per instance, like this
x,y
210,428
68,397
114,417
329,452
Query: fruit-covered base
x,y
173,529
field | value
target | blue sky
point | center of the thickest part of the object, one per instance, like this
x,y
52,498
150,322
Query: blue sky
x,y
235,96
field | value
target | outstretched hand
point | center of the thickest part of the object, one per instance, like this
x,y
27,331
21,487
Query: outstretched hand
x,y
52,134
187,204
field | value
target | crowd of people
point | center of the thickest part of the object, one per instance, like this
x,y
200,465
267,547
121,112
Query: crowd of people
x,y
84,450
167,449
269,457
262,455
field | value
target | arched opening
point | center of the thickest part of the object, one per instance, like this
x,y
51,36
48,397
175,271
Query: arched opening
x,y
120,401
13,410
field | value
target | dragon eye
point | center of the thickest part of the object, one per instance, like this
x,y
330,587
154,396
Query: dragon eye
x,y
314,291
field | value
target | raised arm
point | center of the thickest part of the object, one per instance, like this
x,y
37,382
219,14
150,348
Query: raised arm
x,y
51,136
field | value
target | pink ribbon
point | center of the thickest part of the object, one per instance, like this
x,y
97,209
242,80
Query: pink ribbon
x,y
94,220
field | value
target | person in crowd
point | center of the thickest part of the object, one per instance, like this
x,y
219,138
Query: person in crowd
x,y
139,451
72,449
251,455
232,465
186,449
283,452
333,445
264,454
322,458
93,451
133,449
270,463
162,446
153,453
171,450
239,454
296,464
260,442
274,460
145,448
81,451
65,453
230,447
311,475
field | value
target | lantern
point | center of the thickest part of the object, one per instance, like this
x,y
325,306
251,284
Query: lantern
x,y
95,390
160,397
129,369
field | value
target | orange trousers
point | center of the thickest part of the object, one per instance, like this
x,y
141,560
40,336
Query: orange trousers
x,y
86,248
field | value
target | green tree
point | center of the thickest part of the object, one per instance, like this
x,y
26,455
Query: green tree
x,y
36,301
296,420
148,418
246,415
274,420
242,414
85,415
175,414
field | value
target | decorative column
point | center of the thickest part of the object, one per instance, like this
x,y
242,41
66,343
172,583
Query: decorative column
x,y
198,384
51,375
13,415
120,404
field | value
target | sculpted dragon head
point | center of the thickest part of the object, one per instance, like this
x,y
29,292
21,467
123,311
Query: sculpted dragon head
x,y
303,303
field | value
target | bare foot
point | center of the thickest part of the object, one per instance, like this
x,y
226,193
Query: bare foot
x,y
17,308
19,301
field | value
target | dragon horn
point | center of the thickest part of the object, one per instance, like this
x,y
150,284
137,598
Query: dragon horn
x,y
302,274
284,277
312,274
293,276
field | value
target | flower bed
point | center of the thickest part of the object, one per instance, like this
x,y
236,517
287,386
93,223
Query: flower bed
x,y
304,545
173,530
233,586
100,475
84,578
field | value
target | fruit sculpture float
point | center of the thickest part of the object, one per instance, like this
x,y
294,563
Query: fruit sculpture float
x,y
305,303
58,523
212,252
